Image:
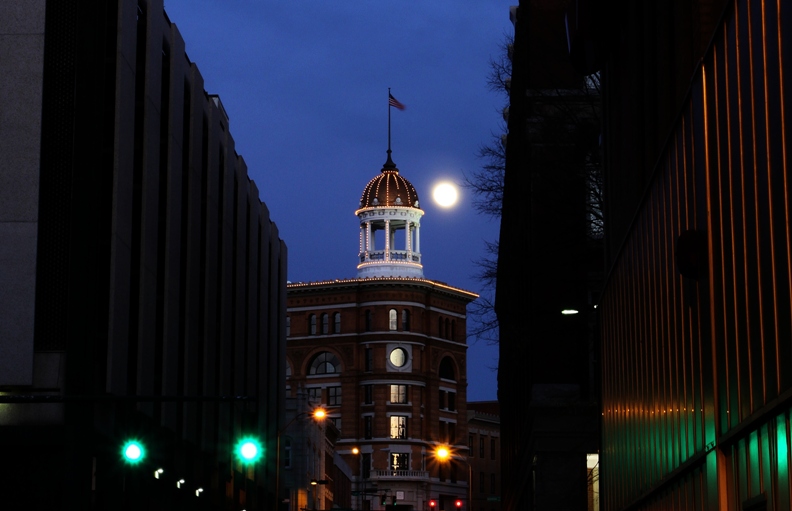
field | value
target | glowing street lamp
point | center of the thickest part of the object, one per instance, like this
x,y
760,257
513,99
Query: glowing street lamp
x,y
133,452
443,453
249,450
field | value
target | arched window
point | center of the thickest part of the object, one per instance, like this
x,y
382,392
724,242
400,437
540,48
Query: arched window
x,y
453,327
368,321
325,363
447,328
393,319
406,320
288,326
440,327
337,323
325,325
447,369
312,324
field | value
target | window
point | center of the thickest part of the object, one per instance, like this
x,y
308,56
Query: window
x,y
336,422
368,394
399,394
287,450
334,396
448,432
315,393
288,326
399,461
406,320
447,369
453,327
482,482
492,448
392,319
325,325
366,465
337,323
312,324
440,327
367,422
481,446
368,321
325,363
398,426
492,483
447,400
470,445
369,364
447,328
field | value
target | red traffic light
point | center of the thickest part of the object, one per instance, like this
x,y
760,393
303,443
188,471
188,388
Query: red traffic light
x,y
458,503
432,504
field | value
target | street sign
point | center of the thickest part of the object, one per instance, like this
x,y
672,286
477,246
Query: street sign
x,y
493,499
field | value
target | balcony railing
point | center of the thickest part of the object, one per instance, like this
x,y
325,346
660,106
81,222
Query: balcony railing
x,y
395,255
400,474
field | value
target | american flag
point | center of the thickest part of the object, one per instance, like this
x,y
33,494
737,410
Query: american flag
x,y
394,102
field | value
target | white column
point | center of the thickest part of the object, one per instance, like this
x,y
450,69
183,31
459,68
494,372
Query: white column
x,y
369,248
418,238
407,243
387,240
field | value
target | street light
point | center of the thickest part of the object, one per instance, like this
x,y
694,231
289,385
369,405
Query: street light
x,y
133,452
444,453
317,414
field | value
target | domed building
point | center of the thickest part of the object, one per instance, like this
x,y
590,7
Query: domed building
x,y
385,354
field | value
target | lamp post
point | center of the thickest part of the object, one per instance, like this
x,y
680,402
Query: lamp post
x,y
443,453
318,414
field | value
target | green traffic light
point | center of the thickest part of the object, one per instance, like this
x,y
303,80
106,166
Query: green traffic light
x,y
133,452
249,450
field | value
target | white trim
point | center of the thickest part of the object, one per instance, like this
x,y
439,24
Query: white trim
x,y
448,313
328,307
393,382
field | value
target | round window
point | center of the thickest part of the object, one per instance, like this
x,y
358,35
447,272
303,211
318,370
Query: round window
x,y
398,357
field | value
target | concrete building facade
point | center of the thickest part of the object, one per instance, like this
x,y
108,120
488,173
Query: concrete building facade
x,y
697,391
142,290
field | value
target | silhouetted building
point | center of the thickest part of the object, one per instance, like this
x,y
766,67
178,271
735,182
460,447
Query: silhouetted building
x,y
549,270
143,284
386,354
484,455
695,313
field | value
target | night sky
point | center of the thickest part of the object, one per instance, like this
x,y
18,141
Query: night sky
x,y
305,85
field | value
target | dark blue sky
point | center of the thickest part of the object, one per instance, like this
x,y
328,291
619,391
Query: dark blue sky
x,y
305,86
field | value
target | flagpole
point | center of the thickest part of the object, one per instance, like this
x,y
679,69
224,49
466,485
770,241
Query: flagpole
x,y
389,163
389,124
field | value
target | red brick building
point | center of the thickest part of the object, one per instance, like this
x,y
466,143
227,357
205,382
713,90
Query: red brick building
x,y
385,353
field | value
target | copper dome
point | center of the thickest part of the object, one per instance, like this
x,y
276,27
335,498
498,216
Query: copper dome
x,y
389,189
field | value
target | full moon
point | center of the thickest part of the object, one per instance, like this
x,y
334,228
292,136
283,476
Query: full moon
x,y
445,195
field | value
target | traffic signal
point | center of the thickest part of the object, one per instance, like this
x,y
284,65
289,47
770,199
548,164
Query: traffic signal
x,y
384,499
432,505
133,452
458,503
249,450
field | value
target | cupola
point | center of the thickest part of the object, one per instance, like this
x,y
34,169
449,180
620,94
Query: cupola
x,y
390,226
